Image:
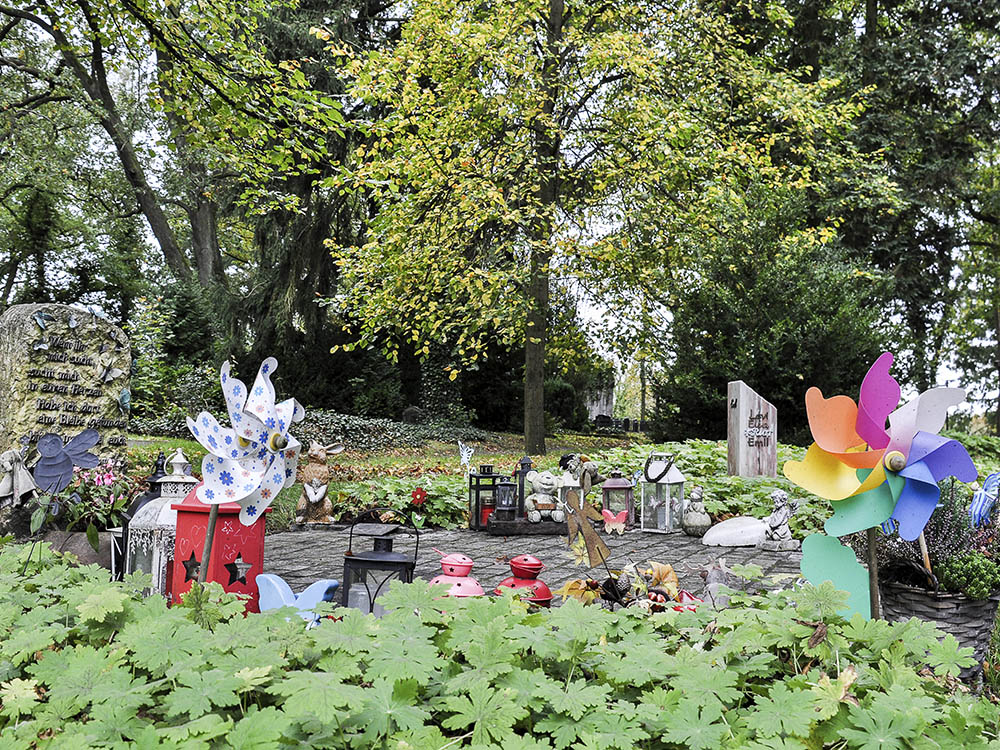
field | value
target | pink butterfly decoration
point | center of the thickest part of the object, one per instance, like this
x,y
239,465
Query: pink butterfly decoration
x,y
614,522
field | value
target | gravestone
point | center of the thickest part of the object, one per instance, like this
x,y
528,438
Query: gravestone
x,y
63,370
753,433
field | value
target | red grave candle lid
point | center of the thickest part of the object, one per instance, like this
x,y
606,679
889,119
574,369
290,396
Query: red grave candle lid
x,y
526,566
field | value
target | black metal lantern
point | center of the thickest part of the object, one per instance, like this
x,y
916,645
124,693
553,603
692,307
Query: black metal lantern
x,y
368,574
482,495
506,500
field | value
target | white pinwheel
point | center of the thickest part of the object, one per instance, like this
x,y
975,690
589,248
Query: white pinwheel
x,y
252,461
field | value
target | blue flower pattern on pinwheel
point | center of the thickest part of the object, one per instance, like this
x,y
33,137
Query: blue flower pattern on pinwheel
x,y
249,471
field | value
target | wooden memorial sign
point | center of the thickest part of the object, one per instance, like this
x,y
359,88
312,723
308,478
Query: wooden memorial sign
x,y
753,433
62,370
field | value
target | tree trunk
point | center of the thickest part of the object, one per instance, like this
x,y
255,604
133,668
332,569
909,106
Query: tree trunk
x,y
534,355
547,144
205,243
642,392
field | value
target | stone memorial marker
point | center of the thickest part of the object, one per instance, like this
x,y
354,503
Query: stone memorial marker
x,y
753,433
62,370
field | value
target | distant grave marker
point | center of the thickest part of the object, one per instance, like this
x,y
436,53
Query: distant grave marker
x,y
62,370
753,432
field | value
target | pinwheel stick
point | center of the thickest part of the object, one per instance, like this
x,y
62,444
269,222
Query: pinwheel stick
x,y
206,552
873,573
927,557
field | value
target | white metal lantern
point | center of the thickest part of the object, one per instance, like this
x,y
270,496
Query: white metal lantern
x,y
662,501
568,483
152,531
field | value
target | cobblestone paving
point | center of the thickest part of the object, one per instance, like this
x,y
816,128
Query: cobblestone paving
x,y
301,557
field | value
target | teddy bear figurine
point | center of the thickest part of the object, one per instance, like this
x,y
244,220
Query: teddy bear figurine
x,y
543,501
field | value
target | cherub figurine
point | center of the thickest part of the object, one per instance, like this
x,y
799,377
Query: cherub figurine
x,y
778,536
583,470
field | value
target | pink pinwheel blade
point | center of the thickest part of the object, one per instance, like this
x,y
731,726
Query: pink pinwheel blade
x,y
878,397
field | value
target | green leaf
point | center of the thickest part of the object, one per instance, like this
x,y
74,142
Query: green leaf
x,y
92,537
783,711
199,691
18,697
387,707
490,713
259,729
38,517
318,694
100,604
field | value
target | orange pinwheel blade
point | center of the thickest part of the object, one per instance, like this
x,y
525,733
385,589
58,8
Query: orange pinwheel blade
x,y
832,423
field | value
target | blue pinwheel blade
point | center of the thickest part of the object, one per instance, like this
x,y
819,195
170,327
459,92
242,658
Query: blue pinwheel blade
x,y
942,456
916,502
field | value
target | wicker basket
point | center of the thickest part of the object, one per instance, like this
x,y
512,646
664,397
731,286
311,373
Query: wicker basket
x,y
969,620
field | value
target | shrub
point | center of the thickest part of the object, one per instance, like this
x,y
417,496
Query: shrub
x,y
83,664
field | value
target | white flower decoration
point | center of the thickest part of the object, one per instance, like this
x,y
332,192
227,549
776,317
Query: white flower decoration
x,y
251,462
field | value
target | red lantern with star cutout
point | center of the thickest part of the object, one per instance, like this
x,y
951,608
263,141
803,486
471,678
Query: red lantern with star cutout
x,y
237,552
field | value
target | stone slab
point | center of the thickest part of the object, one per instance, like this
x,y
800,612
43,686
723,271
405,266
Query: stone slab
x,y
752,428
521,527
62,370
742,531
306,556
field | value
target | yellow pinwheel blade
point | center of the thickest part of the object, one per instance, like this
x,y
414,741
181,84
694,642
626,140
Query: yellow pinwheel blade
x,y
826,475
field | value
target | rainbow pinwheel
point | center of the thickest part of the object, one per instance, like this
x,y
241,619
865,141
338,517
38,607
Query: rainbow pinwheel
x,y
253,460
871,473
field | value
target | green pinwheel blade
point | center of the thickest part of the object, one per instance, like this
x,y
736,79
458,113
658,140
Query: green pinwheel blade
x,y
861,512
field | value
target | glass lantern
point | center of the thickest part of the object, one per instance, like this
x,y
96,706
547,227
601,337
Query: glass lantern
x,y
482,496
617,496
568,483
506,500
152,530
661,488
369,573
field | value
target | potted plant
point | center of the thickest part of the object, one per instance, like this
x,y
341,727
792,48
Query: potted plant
x,y
960,588
81,514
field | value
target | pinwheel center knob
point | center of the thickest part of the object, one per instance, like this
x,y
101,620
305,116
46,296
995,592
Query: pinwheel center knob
x,y
277,442
243,442
895,461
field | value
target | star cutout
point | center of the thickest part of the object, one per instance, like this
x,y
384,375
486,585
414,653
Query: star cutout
x,y
191,567
238,570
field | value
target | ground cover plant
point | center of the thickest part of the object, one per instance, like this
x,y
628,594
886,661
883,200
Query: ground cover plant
x,y
83,664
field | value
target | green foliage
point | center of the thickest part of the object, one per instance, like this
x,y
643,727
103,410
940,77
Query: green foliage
x,y
780,314
974,574
446,504
83,664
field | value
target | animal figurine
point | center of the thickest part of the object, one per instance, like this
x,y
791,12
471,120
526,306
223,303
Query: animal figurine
x,y
695,520
275,593
717,577
314,505
583,470
542,502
